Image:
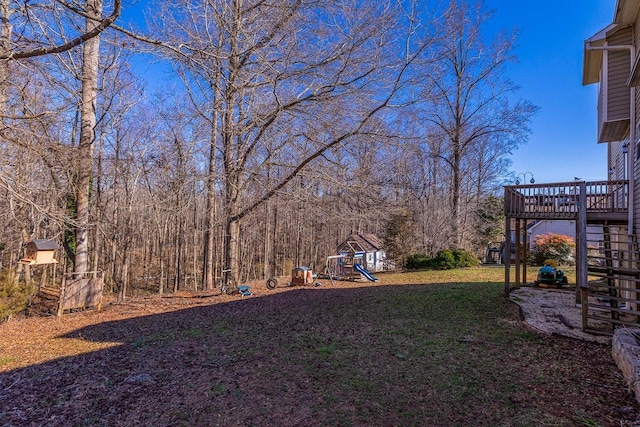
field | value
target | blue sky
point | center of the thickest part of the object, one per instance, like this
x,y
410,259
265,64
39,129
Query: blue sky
x,y
562,144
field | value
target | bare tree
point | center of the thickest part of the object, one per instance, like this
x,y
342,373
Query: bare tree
x,y
36,30
34,39
469,99
294,123
85,151
281,83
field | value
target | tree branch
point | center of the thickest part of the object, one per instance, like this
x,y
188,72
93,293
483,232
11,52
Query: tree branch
x,y
42,51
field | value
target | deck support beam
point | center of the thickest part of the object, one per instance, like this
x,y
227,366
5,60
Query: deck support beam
x,y
506,255
582,279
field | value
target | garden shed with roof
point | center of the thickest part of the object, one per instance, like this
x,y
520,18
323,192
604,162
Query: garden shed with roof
x,y
370,246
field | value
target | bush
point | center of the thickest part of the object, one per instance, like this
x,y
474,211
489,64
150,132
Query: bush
x,y
464,258
418,262
553,246
446,259
13,298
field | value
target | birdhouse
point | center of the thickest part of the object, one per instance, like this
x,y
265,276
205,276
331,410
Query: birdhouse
x,y
40,251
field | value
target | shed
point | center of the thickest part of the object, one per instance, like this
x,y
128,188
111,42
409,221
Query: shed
x,y
40,251
370,246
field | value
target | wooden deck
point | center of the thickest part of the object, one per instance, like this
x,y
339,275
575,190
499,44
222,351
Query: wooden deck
x,y
610,256
605,200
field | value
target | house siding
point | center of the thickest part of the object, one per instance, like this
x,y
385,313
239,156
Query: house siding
x,y
619,65
617,160
635,197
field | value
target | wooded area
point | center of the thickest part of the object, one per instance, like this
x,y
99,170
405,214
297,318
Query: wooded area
x,y
249,135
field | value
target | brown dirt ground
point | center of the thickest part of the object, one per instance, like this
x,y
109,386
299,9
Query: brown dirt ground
x,y
553,311
51,374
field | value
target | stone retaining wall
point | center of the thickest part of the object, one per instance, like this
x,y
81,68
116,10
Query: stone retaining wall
x,y
626,353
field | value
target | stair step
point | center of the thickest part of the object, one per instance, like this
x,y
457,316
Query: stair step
x,y
619,271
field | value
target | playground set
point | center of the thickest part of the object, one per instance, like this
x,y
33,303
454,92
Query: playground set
x,y
347,265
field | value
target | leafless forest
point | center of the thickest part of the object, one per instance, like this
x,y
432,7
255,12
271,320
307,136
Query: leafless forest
x,y
164,141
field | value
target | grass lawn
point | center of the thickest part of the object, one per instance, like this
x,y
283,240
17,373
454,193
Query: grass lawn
x,y
422,349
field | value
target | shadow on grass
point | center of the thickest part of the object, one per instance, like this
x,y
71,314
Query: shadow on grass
x,y
450,354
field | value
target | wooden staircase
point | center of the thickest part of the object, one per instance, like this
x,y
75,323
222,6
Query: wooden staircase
x,y
613,264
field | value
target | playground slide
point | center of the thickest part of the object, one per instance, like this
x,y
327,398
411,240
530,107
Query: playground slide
x,y
360,269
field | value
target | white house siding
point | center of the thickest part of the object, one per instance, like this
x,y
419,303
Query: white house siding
x,y
614,94
371,262
619,65
375,261
379,264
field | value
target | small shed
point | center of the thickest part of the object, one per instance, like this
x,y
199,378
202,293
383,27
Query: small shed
x,y
40,251
370,246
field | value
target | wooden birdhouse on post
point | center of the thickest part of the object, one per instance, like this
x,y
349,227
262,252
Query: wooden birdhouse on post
x,y
40,251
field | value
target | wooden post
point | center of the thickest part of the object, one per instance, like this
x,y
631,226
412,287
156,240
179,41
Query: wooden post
x,y
43,278
632,284
584,295
518,252
525,251
582,278
611,282
62,292
507,256
63,285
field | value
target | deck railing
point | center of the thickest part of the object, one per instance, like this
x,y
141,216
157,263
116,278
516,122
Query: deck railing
x,y
560,200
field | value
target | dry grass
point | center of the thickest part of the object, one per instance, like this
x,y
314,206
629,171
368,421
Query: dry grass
x,y
430,348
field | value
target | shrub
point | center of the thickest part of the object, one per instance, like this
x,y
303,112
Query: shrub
x,y
445,260
418,262
553,246
13,298
464,258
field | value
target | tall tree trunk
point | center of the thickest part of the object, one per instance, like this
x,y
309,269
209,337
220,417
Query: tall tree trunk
x,y
274,238
5,48
455,196
211,205
266,271
232,253
90,61
178,255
